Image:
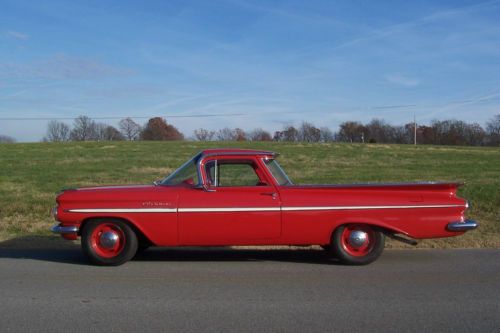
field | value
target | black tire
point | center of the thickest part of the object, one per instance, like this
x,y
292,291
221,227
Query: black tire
x,y
94,249
371,249
327,248
142,247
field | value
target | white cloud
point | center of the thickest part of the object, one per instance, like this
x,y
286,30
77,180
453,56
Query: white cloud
x,y
17,35
402,80
61,67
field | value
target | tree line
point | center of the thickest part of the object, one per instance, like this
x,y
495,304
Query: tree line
x,y
439,132
86,129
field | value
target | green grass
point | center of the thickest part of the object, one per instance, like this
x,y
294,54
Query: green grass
x,y
32,173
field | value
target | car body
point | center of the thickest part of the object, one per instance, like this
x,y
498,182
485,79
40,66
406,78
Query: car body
x,y
224,197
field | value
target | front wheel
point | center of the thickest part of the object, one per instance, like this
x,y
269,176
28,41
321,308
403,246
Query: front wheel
x,y
108,242
357,244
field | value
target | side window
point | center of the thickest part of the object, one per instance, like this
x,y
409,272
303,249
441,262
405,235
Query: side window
x,y
232,173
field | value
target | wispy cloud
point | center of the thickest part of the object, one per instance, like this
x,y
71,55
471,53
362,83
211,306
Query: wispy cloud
x,y
17,35
314,19
402,80
372,33
436,16
177,101
457,105
61,67
389,107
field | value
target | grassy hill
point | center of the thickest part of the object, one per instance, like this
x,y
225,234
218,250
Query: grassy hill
x,y
31,174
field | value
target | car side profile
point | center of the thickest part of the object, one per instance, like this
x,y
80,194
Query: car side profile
x,y
224,197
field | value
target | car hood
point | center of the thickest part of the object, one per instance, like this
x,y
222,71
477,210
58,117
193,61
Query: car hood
x,y
115,193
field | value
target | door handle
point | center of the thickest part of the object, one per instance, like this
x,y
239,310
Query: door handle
x,y
271,194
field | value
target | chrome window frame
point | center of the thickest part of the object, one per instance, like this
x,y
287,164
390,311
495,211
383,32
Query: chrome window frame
x,y
280,168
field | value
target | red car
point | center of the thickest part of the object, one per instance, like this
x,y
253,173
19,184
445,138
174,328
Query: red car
x,y
224,197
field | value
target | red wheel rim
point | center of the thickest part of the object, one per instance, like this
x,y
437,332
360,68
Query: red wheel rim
x,y
357,240
107,240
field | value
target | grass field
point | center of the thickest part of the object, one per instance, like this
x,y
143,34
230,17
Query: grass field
x,y
31,174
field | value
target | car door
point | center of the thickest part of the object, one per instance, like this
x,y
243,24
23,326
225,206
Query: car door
x,y
239,205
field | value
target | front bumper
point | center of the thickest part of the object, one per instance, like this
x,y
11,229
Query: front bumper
x,y
63,230
462,226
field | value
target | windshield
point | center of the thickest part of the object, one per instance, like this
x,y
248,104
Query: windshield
x,y
187,174
278,173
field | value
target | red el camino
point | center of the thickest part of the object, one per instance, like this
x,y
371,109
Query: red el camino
x,y
226,197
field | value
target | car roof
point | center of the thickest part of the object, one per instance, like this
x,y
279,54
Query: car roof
x,y
235,151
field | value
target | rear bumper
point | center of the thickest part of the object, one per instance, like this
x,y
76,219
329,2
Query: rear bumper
x,y
462,226
63,230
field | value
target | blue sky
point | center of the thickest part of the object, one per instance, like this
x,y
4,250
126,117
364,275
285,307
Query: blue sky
x,y
261,63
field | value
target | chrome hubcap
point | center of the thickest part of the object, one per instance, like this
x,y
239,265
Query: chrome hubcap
x,y
357,238
109,239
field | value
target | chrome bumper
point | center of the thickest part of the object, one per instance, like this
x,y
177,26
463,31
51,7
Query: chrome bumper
x,y
58,229
462,226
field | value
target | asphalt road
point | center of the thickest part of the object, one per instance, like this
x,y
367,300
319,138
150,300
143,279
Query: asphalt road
x,y
169,290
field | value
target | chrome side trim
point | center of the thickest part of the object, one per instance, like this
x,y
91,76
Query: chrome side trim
x,y
58,229
367,207
374,184
462,226
123,210
236,209
246,209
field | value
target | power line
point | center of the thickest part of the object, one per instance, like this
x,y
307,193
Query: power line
x,y
132,117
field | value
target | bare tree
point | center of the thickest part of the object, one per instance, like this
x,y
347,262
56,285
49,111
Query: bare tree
x,y
493,131
309,133
326,135
228,134
239,134
202,134
225,134
57,131
129,128
108,133
351,131
7,139
401,135
84,129
475,134
289,134
259,134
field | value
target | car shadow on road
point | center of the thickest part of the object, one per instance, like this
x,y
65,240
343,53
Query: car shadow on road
x,y
54,249
44,248
193,254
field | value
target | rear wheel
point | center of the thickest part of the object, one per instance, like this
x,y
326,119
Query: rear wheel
x,y
327,248
108,242
357,244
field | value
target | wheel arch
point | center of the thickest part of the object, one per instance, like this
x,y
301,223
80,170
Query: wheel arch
x,y
141,236
383,227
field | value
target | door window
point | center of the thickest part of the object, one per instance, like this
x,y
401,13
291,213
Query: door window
x,y
223,173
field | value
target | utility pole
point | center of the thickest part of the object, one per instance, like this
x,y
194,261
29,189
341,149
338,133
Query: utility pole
x,y
414,130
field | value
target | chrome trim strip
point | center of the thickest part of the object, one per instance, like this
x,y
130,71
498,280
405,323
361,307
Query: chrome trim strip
x,y
236,209
367,207
246,209
58,229
462,226
123,210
